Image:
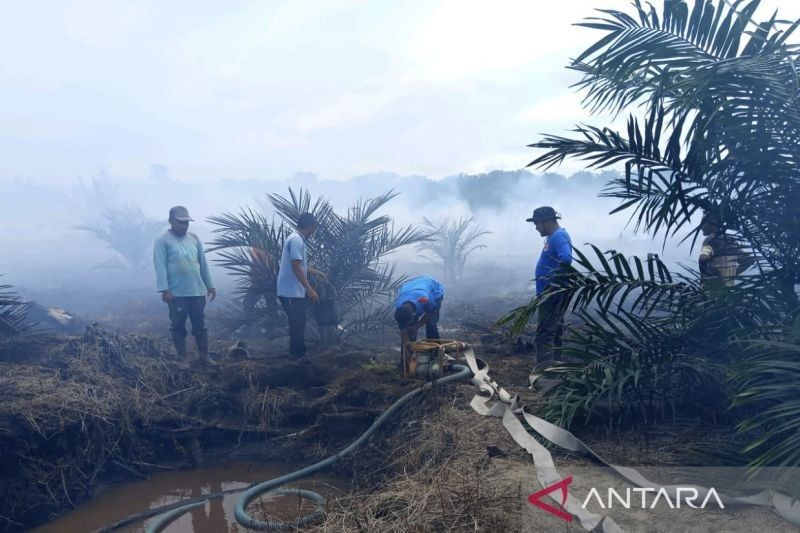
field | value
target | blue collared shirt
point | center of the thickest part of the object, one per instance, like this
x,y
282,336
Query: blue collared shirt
x,y
557,251
424,292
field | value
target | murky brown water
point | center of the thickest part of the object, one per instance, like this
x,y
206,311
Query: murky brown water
x,y
167,487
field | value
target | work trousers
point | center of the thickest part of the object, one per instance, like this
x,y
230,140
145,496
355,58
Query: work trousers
x,y
550,327
295,309
187,306
431,324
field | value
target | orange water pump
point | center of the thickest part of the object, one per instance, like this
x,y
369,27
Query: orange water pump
x,y
430,359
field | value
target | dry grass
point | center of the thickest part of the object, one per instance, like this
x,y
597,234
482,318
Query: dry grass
x,y
267,405
104,403
441,478
77,411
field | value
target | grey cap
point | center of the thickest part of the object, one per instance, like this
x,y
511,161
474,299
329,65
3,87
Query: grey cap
x,y
180,213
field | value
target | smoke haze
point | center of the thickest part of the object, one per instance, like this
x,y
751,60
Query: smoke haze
x,y
49,259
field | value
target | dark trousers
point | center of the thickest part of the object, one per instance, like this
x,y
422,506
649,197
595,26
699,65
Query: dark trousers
x,y
296,312
550,327
431,324
187,306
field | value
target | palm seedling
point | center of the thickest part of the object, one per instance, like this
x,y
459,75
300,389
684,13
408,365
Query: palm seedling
x,y
449,242
351,248
128,233
249,246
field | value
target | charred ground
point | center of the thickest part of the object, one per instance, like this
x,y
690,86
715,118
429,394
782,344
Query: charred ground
x,y
80,412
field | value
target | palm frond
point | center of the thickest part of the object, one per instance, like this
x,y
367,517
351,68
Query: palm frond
x,y
767,382
648,54
628,369
614,282
13,311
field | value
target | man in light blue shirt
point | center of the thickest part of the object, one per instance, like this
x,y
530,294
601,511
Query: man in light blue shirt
x,y
183,279
293,285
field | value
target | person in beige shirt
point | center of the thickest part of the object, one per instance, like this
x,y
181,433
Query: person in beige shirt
x,y
721,255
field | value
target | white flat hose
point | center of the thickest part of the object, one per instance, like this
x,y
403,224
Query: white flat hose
x,y
507,407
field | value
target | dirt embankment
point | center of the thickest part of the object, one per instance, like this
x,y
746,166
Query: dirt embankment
x,y
78,412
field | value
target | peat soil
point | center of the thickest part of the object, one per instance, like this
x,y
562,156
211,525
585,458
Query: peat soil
x,y
79,413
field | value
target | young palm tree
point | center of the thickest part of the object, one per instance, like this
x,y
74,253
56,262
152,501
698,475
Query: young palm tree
x,y
718,131
351,249
129,233
237,236
451,241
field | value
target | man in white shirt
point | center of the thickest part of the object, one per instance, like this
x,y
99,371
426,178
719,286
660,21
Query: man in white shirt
x,y
293,285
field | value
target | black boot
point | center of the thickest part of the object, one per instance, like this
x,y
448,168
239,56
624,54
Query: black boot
x,y
202,348
179,340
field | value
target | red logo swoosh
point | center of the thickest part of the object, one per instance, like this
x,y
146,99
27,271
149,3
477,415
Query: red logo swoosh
x,y
535,499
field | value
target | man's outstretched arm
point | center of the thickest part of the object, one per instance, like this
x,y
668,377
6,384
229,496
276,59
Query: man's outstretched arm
x,y
297,268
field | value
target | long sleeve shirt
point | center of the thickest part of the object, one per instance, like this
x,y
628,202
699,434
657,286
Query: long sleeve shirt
x,y
181,265
424,292
557,251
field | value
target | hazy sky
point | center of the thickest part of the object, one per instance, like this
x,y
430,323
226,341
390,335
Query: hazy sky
x,y
263,89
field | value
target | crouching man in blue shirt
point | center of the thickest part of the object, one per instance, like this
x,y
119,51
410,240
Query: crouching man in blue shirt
x,y
418,302
556,253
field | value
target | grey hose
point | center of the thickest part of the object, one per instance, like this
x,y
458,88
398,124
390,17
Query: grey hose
x,y
144,515
250,494
271,485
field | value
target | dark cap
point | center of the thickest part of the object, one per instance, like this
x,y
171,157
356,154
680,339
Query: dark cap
x,y
711,218
179,213
306,220
543,213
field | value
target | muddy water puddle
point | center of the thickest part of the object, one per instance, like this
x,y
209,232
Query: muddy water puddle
x,y
164,488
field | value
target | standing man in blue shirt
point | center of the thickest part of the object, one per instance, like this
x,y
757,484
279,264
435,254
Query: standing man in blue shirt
x,y
418,302
183,279
556,253
293,285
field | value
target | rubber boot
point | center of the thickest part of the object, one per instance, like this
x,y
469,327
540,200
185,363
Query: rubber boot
x,y
202,348
179,340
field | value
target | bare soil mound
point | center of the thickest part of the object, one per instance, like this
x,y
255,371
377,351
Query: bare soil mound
x,y
78,412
